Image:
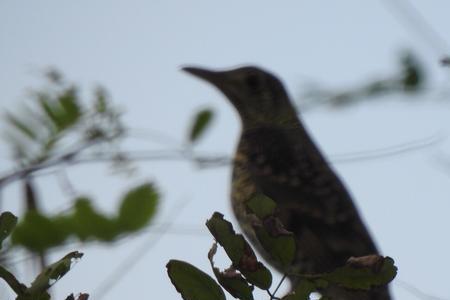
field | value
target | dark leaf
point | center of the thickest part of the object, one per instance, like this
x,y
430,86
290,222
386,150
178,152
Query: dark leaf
x,y
279,243
7,223
192,283
239,251
53,273
231,280
275,239
364,272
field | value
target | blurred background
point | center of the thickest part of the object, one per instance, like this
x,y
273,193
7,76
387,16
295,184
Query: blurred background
x,y
367,79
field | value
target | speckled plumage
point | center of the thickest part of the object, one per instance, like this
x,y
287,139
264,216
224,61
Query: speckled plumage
x,y
277,158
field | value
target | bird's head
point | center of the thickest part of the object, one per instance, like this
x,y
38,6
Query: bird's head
x,y
258,96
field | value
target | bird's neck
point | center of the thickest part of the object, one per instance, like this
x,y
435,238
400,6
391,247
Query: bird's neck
x,y
282,122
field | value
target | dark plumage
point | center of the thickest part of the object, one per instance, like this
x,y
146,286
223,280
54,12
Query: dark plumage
x,y
277,158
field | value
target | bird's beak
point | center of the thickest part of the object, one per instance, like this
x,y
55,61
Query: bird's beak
x,y
214,77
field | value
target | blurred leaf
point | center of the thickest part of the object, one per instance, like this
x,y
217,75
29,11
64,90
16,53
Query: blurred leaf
x,y
101,104
445,61
50,110
71,110
239,251
231,280
88,223
364,272
30,195
412,73
201,122
7,223
138,207
52,273
37,232
21,126
192,283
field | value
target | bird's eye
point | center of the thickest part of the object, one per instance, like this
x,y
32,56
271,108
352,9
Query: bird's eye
x,y
252,81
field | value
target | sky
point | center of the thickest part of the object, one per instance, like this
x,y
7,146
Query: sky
x,y
136,49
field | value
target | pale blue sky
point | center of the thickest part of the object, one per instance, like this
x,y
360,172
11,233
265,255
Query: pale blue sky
x,y
135,49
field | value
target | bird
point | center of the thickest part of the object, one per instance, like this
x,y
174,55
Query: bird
x,y
277,158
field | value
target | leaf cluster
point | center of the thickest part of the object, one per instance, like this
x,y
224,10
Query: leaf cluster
x,y
38,232
43,281
247,272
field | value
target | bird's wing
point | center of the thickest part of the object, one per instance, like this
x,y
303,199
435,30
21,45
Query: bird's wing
x,y
287,167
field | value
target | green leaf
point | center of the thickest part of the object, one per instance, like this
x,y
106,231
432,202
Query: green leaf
x,y
21,126
52,273
88,223
138,207
71,111
239,251
261,205
274,238
279,243
37,232
49,109
7,223
231,280
192,283
364,272
201,122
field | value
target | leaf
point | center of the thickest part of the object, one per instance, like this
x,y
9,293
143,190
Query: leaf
x,y
261,205
53,273
301,291
138,207
231,280
201,122
192,283
37,232
239,251
279,243
364,272
7,223
88,223
71,110
49,109
21,126
274,238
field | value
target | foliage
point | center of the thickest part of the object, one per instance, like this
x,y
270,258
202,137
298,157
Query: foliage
x,y
38,232
58,125
43,281
410,79
246,271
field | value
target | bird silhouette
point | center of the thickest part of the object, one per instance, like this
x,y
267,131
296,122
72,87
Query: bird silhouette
x,y
277,158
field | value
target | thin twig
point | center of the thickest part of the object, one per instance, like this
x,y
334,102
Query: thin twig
x,y
205,160
417,292
279,284
13,283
